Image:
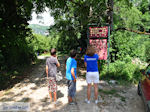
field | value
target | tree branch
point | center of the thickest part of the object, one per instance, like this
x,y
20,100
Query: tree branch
x,y
135,31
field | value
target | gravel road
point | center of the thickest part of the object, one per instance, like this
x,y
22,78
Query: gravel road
x,y
113,97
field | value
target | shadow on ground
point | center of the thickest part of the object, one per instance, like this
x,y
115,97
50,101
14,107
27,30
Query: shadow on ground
x,y
34,90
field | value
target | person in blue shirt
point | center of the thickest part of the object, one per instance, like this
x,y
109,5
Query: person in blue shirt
x,y
71,75
92,75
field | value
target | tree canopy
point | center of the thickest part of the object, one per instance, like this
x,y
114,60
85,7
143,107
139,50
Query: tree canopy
x,y
14,30
128,19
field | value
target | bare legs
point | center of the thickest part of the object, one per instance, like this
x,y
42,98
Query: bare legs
x,y
50,95
55,96
69,99
95,91
89,92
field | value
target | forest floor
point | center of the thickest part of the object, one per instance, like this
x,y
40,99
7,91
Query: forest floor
x,y
113,97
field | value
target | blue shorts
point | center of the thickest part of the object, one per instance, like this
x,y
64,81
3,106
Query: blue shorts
x,y
71,88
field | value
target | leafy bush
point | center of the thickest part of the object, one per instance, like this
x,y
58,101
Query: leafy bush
x,y
42,43
121,70
20,53
129,44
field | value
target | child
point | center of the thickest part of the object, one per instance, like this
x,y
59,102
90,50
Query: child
x,y
71,66
51,71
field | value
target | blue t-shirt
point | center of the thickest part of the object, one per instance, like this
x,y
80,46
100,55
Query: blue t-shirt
x,y
71,63
91,61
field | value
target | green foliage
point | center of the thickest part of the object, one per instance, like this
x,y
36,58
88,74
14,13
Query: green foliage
x,y
41,44
121,70
18,45
127,17
14,49
72,18
125,43
54,41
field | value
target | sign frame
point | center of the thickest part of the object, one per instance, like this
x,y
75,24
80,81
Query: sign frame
x,y
108,39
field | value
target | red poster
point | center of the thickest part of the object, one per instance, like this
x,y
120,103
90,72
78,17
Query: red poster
x,y
98,31
101,47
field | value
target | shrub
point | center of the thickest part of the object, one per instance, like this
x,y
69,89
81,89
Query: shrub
x,y
121,70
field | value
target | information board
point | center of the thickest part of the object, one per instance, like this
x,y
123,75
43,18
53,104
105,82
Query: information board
x,y
100,46
98,32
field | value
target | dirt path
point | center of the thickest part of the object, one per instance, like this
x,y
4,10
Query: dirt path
x,y
34,90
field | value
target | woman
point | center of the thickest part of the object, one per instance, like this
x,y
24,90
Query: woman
x,y
92,75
